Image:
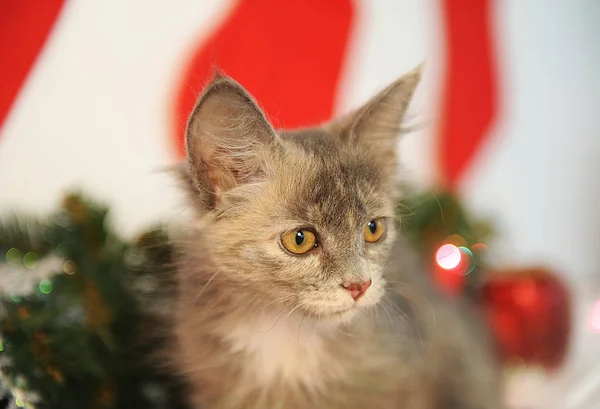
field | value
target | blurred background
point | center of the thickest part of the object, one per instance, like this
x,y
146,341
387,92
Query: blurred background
x,y
94,96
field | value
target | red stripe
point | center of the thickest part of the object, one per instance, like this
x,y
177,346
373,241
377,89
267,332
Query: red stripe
x,y
288,54
469,98
24,28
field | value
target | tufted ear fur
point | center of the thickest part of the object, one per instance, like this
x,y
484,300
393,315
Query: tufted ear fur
x,y
227,139
376,125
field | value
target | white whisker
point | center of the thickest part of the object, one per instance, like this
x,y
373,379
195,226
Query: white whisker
x,y
204,287
279,315
297,306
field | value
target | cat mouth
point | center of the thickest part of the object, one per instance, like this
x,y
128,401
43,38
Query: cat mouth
x,y
339,310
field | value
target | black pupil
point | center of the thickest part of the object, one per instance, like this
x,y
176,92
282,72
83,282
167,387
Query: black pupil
x,y
372,226
299,237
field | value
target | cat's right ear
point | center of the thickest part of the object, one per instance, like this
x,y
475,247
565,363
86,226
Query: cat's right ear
x,y
376,125
227,139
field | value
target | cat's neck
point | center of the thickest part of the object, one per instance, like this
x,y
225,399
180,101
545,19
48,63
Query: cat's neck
x,y
279,346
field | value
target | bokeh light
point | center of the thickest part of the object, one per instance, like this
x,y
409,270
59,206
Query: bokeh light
x,y
46,286
467,256
14,257
62,249
479,247
455,239
448,256
30,260
69,267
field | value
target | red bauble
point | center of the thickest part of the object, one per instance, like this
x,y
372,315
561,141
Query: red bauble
x,y
529,311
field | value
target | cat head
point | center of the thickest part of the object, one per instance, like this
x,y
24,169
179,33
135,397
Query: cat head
x,y
299,218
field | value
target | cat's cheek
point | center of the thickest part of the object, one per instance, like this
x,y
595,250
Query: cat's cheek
x,y
375,295
377,253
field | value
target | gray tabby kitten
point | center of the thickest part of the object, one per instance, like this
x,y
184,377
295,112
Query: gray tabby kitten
x,y
288,296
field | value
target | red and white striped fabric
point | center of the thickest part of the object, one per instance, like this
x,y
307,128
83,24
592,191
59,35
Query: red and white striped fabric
x,y
95,94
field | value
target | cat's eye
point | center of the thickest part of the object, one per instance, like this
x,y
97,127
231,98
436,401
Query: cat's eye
x,y
374,230
299,241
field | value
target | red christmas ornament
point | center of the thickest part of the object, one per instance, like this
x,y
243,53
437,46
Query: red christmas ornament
x,y
529,312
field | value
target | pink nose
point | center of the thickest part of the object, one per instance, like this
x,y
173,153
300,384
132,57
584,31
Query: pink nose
x,y
357,290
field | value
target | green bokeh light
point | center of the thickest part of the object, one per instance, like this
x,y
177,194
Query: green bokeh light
x,y
30,260
14,256
62,249
466,252
46,286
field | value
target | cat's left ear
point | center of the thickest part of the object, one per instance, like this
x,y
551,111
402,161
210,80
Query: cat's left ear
x,y
377,124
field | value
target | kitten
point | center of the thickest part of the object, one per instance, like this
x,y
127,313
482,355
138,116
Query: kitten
x,y
286,295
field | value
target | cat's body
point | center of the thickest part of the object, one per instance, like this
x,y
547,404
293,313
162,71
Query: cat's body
x,y
266,320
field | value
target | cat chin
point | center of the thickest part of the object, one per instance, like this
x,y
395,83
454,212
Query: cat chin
x,y
343,317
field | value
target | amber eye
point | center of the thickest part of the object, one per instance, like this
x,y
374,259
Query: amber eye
x,y
299,241
374,230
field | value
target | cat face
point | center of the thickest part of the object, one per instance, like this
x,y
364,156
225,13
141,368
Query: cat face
x,y
298,220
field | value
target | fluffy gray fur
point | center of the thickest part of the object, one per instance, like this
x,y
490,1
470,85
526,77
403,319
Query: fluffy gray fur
x,y
260,328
